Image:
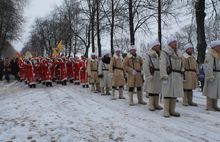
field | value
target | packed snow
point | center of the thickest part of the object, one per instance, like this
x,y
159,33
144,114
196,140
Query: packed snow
x,y
74,114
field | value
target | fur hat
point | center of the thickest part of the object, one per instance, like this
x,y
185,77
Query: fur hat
x,y
153,43
171,39
215,43
187,46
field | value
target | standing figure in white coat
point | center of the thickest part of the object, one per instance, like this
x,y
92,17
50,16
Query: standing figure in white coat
x,y
171,73
212,76
152,75
103,73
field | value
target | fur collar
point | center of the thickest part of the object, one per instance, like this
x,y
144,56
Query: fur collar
x,y
153,53
131,56
185,55
117,57
169,50
215,54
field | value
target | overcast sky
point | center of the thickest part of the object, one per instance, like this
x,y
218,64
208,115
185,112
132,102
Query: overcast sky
x,y
35,8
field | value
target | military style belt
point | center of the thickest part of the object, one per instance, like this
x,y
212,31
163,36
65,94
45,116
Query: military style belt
x,y
105,69
156,69
177,71
190,70
216,70
116,68
94,70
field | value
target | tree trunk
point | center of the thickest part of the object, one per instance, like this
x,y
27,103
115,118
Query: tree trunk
x,y
131,23
112,28
200,21
159,23
98,28
93,25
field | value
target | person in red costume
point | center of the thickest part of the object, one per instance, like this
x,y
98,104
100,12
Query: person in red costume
x,y
76,71
69,66
46,73
63,71
83,75
30,74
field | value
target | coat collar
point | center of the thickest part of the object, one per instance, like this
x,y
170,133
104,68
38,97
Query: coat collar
x,y
215,54
169,50
152,53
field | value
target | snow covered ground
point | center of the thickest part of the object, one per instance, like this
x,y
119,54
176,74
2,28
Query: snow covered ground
x,y
73,114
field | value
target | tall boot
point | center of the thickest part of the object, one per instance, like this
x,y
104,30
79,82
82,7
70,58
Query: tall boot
x,y
185,98
190,99
215,104
131,100
151,102
156,103
98,90
140,98
92,87
166,107
173,107
210,104
103,91
113,94
108,91
121,96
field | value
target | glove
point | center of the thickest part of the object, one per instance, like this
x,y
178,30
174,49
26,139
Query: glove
x,y
134,72
211,78
149,77
100,75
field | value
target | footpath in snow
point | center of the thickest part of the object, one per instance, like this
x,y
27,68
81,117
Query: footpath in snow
x,y
73,114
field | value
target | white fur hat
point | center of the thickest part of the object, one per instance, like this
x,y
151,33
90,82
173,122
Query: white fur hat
x,y
187,46
171,39
153,43
117,49
215,43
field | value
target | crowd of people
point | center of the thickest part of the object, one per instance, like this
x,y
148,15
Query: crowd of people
x,y
170,73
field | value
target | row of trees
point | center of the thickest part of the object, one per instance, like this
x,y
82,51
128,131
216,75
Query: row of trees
x,y
98,24
11,20
84,24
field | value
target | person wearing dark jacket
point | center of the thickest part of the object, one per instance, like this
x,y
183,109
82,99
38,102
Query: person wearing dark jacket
x,y
7,69
1,69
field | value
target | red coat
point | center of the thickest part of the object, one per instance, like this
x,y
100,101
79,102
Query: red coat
x,y
45,70
30,73
37,71
61,71
77,66
83,75
69,66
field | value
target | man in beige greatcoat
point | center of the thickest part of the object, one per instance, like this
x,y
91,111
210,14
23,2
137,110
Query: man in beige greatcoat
x,y
133,66
93,73
118,75
190,75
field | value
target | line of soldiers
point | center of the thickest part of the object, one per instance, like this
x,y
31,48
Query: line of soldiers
x,y
168,73
59,70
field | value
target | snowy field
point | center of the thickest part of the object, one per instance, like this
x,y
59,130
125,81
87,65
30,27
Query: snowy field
x,y
73,114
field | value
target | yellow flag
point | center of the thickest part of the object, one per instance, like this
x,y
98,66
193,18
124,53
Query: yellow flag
x,y
55,52
60,47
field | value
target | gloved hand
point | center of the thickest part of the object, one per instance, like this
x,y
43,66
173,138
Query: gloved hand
x,y
149,77
134,72
100,75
